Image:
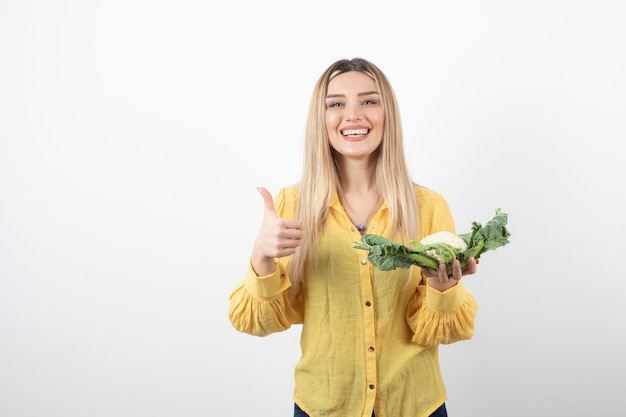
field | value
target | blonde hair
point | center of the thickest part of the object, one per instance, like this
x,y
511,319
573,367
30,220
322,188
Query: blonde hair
x,y
319,174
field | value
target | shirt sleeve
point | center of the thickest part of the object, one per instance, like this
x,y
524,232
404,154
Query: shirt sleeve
x,y
260,305
437,317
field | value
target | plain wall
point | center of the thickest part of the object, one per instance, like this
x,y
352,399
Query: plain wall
x,y
133,135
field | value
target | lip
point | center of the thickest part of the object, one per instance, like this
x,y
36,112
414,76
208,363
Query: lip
x,y
355,132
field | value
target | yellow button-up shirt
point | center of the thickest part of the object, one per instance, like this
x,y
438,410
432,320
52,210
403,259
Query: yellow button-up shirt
x,y
369,338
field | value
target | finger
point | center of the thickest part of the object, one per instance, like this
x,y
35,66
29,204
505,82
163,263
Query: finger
x,y
471,266
457,273
427,272
268,201
293,228
289,244
443,273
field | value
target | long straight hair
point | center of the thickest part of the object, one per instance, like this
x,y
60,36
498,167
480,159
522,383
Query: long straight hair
x,y
320,177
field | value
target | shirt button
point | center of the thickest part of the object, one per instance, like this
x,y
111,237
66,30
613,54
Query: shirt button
x,y
371,348
363,261
372,386
367,303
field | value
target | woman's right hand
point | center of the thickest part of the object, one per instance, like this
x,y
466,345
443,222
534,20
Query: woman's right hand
x,y
277,238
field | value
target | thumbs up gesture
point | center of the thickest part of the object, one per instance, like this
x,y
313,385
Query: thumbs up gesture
x,y
278,237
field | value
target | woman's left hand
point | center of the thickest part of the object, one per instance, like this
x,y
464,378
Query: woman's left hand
x,y
442,281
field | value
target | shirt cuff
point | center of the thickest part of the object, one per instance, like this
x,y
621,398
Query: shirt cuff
x,y
447,300
266,286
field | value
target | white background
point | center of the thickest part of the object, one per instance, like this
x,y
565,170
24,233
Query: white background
x,y
133,135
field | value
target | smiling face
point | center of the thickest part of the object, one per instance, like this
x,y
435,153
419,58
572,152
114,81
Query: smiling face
x,y
354,116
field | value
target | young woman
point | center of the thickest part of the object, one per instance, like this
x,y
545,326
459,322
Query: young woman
x,y
369,338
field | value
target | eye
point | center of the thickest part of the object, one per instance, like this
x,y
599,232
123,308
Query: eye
x,y
334,104
370,102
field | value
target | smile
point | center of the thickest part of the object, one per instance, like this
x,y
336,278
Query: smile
x,y
355,132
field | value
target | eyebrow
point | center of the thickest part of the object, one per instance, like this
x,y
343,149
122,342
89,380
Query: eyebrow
x,y
365,93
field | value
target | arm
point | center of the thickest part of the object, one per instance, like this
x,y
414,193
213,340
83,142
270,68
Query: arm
x,y
441,310
261,304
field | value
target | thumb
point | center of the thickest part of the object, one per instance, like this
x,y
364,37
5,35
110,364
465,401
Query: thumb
x,y
268,200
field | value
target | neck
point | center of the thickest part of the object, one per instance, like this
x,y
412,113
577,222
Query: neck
x,y
357,177
359,194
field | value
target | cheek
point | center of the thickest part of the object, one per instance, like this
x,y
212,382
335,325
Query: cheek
x,y
332,121
380,119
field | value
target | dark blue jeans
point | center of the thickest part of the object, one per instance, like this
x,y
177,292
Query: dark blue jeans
x,y
440,412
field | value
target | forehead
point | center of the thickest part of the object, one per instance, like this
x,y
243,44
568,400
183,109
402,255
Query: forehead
x,y
351,82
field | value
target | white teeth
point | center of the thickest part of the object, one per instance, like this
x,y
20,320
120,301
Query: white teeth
x,y
355,132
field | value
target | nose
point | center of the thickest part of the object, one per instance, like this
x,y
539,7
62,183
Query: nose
x,y
353,111
353,115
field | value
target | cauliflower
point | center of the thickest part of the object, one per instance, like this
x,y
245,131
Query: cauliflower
x,y
442,246
437,248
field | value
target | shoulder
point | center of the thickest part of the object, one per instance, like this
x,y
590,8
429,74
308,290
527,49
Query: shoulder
x,y
434,212
292,190
289,193
286,200
427,196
